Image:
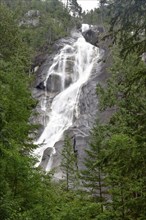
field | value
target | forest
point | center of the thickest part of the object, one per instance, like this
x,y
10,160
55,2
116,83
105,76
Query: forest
x,y
113,184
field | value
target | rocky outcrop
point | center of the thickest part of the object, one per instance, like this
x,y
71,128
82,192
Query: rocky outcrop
x,y
92,34
30,19
86,116
46,157
43,62
86,112
53,83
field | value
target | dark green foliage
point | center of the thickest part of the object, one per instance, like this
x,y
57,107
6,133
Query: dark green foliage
x,y
69,164
74,7
124,151
94,17
127,24
24,189
123,142
26,193
92,176
114,179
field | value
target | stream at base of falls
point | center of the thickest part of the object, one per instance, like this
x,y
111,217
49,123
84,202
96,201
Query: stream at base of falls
x,y
70,70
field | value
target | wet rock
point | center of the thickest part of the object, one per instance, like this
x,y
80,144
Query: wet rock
x,y
92,34
87,114
41,86
60,43
44,61
87,109
54,83
57,158
46,156
83,123
69,65
68,81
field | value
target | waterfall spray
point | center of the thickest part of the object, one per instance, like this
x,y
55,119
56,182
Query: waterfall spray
x,y
72,67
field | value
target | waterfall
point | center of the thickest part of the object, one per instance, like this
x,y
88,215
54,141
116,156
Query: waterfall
x,y
70,70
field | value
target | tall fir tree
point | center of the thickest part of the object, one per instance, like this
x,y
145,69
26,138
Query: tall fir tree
x,y
92,176
124,150
69,164
75,7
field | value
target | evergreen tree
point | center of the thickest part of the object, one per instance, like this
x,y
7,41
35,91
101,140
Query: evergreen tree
x,y
124,150
124,178
69,164
127,24
23,188
75,8
92,176
54,22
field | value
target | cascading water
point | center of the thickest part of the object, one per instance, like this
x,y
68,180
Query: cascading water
x,y
71,68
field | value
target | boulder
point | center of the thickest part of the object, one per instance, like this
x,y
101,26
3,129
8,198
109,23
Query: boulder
x,y
54,83
46,157
92,34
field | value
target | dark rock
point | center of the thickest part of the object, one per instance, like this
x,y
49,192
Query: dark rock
x,y
87,107
68,81
46,156
44,61
57,158
39,60
91,36
69,65
60,43
80,130
41,86
53,83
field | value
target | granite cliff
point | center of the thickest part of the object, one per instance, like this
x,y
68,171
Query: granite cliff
x,y
87,109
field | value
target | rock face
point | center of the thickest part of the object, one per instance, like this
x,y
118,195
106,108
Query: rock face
x,y
53,83
92,35
46,157
43,63
87,110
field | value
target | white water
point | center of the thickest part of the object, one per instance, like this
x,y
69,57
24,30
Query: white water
x,y
81,57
